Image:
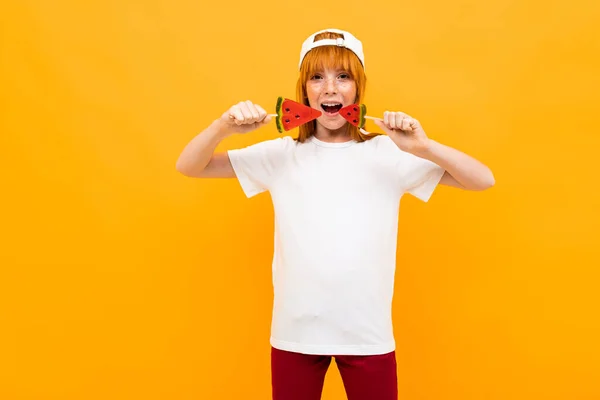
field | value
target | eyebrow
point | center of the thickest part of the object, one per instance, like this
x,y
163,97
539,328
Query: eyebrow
x,y
337,71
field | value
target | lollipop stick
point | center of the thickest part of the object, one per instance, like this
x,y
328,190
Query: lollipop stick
x,y
268,115
367,117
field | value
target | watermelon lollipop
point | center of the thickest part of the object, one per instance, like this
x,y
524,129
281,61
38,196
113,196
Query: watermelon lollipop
x,y
355,114
291,114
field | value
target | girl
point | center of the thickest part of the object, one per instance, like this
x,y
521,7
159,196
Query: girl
x,y
336,193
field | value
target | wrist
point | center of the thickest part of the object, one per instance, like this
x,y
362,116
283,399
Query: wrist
x,y
221,130
426,149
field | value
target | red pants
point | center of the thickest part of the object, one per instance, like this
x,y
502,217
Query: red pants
x,y
298,376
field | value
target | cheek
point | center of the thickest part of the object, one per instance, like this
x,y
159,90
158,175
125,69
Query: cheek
x,y
312,90
349,89
313,96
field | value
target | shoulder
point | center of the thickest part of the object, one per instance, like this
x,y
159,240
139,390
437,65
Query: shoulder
x,y
380,141
383,146
283,142
384,149
274,145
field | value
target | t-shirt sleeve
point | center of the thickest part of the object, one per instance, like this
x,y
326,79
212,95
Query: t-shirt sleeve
x,y
420,176
257,165
412,174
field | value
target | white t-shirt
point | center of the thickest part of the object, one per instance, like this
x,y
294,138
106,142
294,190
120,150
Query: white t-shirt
x,y
336,219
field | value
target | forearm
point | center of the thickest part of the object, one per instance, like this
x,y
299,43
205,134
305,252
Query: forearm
x,y
197,153
466,170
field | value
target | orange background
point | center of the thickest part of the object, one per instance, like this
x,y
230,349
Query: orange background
x,y
123,279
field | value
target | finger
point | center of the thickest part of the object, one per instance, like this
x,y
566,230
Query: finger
x,y
237,115
394,120
383,125
413,124
386,119
262,114
406,124
246,112
253,110
399,120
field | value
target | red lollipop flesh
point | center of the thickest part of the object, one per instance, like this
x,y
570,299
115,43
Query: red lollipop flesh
x,y
291,114
355,114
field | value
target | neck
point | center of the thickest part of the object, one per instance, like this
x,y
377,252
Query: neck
x,y
332,135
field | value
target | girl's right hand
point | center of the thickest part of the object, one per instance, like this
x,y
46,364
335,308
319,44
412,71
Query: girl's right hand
x,y
243,117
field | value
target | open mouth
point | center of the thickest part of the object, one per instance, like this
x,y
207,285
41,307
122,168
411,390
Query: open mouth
x,y
331,108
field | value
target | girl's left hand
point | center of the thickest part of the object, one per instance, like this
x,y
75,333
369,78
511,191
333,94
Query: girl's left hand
x,y
405,131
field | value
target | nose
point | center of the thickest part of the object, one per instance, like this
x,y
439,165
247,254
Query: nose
x,y
331,86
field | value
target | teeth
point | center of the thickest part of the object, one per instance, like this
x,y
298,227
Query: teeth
x,y
331,104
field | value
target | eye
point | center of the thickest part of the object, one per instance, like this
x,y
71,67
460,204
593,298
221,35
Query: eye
x,y
344,76
315,77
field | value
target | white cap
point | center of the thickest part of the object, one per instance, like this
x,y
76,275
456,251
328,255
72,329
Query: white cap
x,y
349,42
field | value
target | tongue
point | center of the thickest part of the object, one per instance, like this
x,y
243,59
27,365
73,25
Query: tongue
x,y
331,109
